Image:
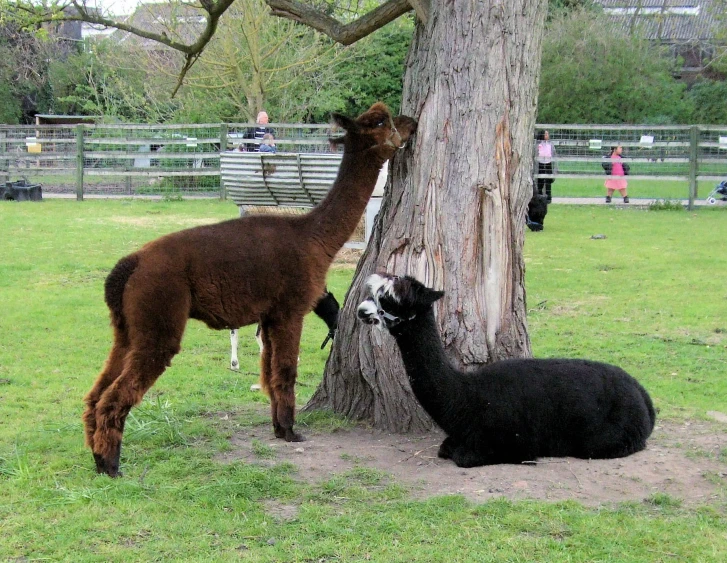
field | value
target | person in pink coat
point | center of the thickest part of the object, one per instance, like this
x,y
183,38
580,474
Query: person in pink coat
x,y
616,167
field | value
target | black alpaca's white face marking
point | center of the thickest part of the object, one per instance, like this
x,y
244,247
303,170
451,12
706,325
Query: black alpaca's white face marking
x,y
395,300
382,286
369,313
374,310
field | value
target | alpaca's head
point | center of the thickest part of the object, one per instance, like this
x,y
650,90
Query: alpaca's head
x,y
375,129
395,300
537,210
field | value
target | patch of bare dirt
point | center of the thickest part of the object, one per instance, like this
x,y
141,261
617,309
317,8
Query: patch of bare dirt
x,y
153,219
681,460
347,257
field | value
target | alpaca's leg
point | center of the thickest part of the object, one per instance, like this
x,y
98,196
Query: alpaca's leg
x,y
285,343
155,334
463,456
613,441
259,338
111,371
446,448
266,371
142,368
234,362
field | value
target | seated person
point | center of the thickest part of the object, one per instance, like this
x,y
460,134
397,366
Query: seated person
x,y
268,143
261,128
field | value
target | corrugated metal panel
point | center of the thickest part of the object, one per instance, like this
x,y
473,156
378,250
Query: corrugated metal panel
x,y
282,179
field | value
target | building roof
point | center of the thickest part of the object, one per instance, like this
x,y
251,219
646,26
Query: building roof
x,y
669,21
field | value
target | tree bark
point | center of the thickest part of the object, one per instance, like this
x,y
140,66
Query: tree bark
x,y
453,215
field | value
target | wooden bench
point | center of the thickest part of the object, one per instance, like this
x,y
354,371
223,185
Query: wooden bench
x,y
254,179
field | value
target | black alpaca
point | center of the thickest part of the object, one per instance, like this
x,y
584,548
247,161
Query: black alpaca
x,y
327,308
537,210
511,411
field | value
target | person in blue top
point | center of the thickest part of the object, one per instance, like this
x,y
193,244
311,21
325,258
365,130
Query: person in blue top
x,y
268,143
258,132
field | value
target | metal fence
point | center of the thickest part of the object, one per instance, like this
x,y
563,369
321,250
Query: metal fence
x,y
185,159
135,159
671,161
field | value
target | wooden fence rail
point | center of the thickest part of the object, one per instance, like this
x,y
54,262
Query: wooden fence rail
x,y
183,158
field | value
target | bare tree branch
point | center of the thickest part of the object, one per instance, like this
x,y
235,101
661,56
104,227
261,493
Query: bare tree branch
x,y
422,8
213,12
189,60
346,34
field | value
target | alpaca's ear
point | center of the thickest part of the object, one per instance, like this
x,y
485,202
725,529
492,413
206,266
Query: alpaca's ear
x,y
405,125
432,296
344,122
336,140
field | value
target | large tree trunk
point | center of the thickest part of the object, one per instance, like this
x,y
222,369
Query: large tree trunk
x,y
453,216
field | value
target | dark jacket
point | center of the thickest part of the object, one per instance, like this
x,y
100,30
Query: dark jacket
x,y
607,166
256,133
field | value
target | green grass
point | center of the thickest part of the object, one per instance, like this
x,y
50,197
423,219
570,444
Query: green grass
x,y
649,297
649,189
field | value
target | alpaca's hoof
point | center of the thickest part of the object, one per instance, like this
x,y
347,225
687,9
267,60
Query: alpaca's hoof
x,y
110,469
108,465
99,463
446,448
288,434
291,436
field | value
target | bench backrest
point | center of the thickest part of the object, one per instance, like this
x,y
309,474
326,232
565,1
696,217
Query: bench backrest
x,y
281,179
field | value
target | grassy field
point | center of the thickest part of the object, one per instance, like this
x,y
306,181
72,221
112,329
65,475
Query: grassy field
x,y
650,189
650,297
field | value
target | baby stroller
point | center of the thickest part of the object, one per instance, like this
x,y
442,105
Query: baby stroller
x,y
720,189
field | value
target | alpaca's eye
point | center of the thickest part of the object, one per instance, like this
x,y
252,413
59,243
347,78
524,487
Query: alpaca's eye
x,y
381,124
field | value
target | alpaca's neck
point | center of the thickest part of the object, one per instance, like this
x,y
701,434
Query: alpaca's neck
x,y
436,384
334,219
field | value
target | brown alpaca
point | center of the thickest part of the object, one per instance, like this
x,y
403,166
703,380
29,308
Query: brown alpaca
x,y
256,269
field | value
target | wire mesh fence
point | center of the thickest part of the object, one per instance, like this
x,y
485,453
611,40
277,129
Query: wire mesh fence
x,y
128,159
289,137
665,161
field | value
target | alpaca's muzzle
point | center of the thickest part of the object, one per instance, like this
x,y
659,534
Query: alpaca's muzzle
x,y
367,312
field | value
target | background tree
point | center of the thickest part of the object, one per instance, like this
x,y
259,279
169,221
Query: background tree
x,y
709,99
593,72
24,84
718,64
453,215
558,7
10,103
374,70
114,81
258,61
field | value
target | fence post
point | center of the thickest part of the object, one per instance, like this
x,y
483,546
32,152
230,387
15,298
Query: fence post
x,y
4,163
223,148
79,162
693,164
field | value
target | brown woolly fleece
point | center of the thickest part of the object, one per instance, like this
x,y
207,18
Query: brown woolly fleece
x,y
256,269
